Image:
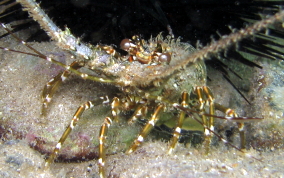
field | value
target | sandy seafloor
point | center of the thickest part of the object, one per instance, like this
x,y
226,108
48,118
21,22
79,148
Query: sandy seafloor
x,y
22,80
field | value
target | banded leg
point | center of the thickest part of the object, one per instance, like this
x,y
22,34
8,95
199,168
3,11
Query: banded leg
x,y
205,97
115,105
178,127
115,108
51,86
73,123
102,153
139,112
231,113
228,113
147,128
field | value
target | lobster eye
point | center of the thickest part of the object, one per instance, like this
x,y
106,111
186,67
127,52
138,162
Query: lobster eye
x,y
165,57
125,44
